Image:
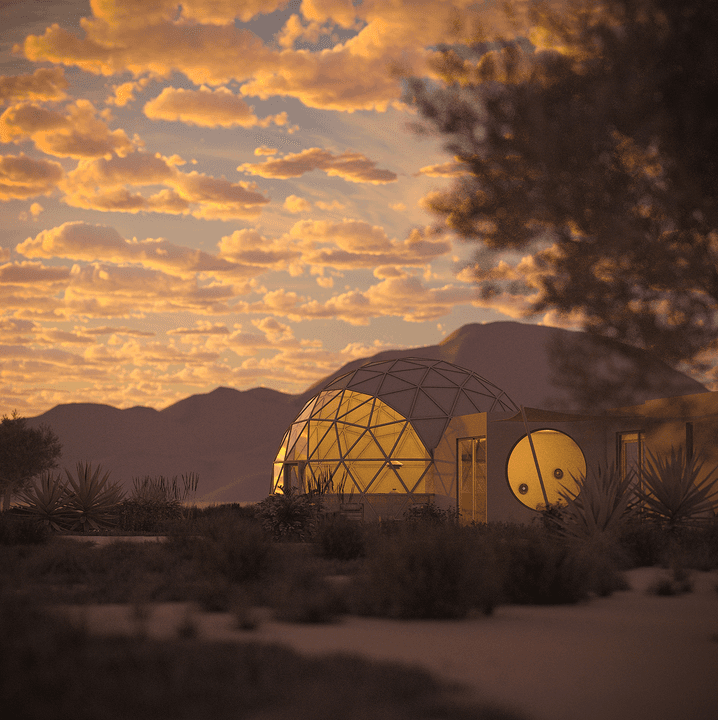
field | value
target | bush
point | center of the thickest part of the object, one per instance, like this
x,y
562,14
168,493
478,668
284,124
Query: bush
x,y
151,516
303,595
238,550
541,569
428,572
290,516
340,538
18,530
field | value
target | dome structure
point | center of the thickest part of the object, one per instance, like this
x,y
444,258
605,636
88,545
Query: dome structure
x,y
374,429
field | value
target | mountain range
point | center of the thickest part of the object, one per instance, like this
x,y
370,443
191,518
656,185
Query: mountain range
x,y
230,437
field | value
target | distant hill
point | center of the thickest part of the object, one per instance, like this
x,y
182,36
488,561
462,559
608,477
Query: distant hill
x,y
230,437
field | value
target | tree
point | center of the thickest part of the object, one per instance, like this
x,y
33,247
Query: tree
x,y
24,453
591,170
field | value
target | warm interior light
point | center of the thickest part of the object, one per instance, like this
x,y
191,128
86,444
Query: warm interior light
x,y
560,460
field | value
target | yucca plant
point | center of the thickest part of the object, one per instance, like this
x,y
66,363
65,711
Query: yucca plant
x,y
671,493
604,500
93,501
46,500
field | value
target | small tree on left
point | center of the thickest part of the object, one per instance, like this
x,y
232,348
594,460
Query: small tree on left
x,y
25,452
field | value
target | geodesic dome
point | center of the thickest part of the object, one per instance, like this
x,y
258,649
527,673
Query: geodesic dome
x,y
374,429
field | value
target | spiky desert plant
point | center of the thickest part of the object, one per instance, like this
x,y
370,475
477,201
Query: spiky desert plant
x,y
93,500
46,500
603,502
671,492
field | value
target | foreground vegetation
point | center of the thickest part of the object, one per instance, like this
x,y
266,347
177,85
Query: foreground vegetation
x,y
227,558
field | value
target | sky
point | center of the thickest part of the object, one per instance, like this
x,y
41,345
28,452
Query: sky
x,y
220,193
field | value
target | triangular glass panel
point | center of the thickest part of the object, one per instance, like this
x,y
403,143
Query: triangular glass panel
x,y
368,384
409,446
392,384
444,397
401,401
364,472
387,435
420,474
404,364
383,414
473,383
481,400
415,375
436,379
365,448
430,431
458,377
348,435
306,410
464,406
426,407
328,447
294,433
387,481
328,409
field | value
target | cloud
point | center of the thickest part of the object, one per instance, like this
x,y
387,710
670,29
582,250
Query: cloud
x,y
78,133
107,185
351,166
249,247
448,169
296,204
25,177
264,150
401,296
36,209
98,243
207,108
29,273
43,84
357,244
125,92
200,40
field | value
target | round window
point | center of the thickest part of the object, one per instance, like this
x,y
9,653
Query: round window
x,y
560,460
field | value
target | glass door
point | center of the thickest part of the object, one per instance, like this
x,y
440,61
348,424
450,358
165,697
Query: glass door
x,y
471,485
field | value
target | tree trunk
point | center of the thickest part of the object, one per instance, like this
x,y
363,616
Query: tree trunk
x,y
6,498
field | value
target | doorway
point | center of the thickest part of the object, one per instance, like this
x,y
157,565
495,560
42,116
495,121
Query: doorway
x,y
471,479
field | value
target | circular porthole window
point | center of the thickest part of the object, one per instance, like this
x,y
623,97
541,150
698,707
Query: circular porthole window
x,y
560,460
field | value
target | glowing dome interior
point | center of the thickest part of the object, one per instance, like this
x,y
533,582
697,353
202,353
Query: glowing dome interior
x,y
373,430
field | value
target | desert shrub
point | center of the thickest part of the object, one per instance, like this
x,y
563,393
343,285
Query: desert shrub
x,y
603,503
238,550
428,572
92,500
430,514
155,516
340,538
290,516
670,492
18,530
46,500
234,510
540,569
694,547
302,594
644,544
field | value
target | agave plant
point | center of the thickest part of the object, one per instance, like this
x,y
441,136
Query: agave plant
x,y
46,500
671,491
92,501
604,500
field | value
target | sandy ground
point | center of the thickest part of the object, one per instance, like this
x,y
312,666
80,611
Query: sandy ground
x,y
627,657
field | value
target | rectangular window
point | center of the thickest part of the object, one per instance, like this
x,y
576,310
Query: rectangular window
x,y
630,454
471,485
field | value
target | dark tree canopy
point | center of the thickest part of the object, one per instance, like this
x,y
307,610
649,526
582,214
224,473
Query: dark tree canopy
x,y
24,453
592,170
